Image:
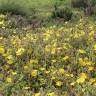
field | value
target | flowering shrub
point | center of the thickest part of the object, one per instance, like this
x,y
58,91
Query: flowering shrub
x,y
51,62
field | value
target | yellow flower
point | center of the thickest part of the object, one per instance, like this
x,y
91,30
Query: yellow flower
x,y
2,50
10,59
90,68
1,38
59,83
53,51
2,22
33,61
92,81
20,51
57,34
65,58
42,69
2,16
59,48
72,84
14,73
91,27
53,61
81,62
61,71
47,48
81,51
81,78
9,80
85,62
51,94
91,34
94,47
26,67
68,75
47,72
37,94
53,78
34,73
26,88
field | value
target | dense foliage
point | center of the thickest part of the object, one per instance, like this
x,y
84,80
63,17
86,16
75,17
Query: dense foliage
x,y
64,13
55,61
47,48
89,6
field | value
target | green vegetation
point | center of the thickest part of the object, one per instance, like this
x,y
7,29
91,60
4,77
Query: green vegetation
x,y
65,13
47,48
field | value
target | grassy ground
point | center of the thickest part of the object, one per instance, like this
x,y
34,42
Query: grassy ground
x,y
42,6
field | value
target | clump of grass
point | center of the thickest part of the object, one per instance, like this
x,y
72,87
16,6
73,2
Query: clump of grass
x,y
65,13
14,7
88,6
79,3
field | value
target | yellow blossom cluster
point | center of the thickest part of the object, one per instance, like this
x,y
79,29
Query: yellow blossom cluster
x,y
53,61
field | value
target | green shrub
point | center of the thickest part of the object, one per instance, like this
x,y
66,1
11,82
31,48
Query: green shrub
x,y
65,13
91,8
76,16
93,2
13,7
83,3
79,3
88,6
